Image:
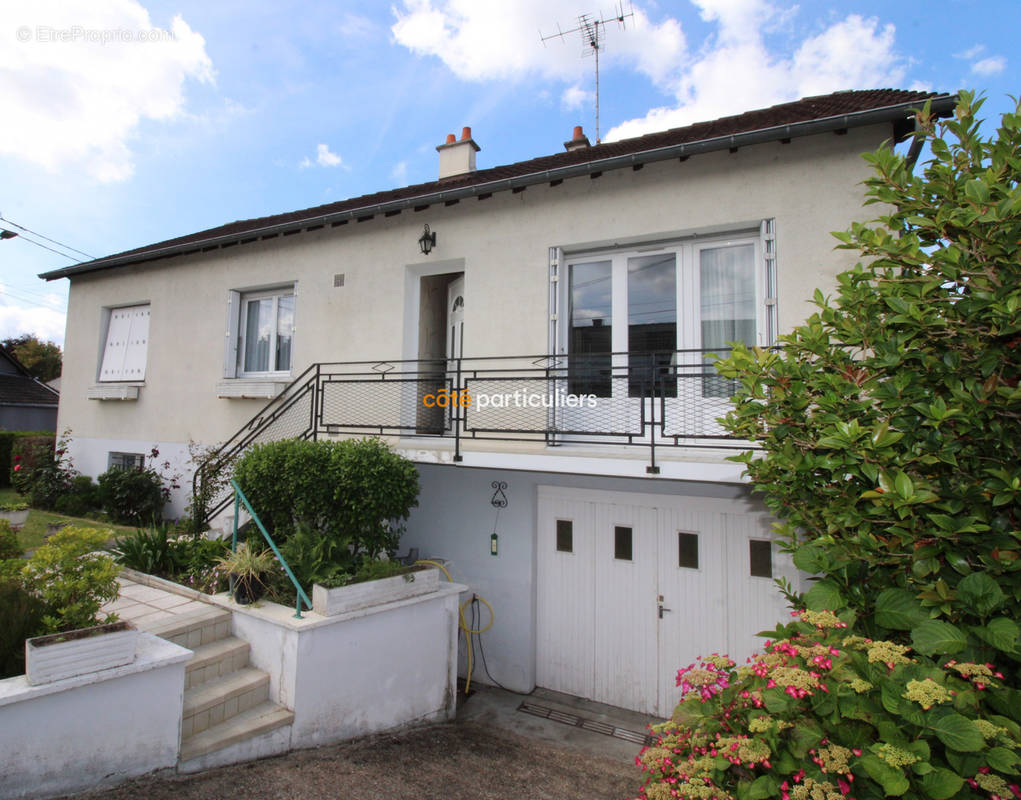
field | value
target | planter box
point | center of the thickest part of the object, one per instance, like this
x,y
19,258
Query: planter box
x,y
16,518
65,655
330,602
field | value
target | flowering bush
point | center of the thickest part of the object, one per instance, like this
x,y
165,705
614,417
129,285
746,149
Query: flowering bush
x,y
825,715
43,472
137,495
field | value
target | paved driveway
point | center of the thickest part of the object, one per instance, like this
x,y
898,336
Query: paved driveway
x,y
467,760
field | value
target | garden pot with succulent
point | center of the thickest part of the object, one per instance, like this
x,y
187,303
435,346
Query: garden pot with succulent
x,y
247,569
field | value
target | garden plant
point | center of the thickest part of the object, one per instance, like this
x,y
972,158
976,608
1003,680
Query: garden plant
x,y
889,427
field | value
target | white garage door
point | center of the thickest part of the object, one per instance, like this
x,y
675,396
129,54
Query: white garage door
x,y
632,587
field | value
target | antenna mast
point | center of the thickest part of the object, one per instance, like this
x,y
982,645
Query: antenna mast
x,y
592,32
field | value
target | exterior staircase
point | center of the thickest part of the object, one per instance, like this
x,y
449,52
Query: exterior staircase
x,y
226,701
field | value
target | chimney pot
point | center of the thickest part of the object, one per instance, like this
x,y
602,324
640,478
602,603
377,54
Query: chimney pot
x,y
466,133
579,140
451,138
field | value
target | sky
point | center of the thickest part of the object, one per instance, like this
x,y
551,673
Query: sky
x,y
127,122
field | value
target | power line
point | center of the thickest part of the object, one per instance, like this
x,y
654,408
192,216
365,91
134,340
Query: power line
x,y
24,238
48,239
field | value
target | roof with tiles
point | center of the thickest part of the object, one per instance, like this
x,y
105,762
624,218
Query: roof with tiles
x,y
831,106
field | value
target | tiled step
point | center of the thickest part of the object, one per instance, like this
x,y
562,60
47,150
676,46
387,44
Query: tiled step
x,y
257,720
194,629
214,701
215,660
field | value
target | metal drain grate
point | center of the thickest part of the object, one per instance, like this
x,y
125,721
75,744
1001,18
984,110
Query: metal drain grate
x,y
595,726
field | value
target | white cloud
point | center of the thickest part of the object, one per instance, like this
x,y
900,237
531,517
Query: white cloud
x,y
971,52
575,97
399,173
324,158
989,66
498,39
80,76
355,26
736,71
45,323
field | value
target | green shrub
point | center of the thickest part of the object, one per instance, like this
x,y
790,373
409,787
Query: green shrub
x,y
132,496
355,492
42,471
72,578
150,551
8,440
82,497
890,422
824,714
21,617
10,547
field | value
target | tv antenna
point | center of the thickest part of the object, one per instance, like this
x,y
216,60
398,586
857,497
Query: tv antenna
x,y
592,31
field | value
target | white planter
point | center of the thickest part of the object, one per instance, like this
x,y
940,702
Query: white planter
x,y
65,655
330,602
16,518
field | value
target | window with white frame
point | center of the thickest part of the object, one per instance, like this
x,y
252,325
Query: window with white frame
x,y
260,333
651,303
126,346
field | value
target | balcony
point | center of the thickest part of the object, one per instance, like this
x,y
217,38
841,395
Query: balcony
x,y
637,407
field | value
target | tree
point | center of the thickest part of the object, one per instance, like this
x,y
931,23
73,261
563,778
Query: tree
x,y
890,422
41,359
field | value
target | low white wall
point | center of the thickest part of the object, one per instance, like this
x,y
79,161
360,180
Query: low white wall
x,y
93,730
358,673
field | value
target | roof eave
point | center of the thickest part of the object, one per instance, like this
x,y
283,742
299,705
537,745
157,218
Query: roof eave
x,y
940,105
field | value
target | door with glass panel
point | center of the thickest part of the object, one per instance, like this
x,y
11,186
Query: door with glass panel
x,y
638,324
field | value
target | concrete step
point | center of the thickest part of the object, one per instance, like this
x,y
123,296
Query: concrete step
x,y
259,719
215,660
194,629
217,700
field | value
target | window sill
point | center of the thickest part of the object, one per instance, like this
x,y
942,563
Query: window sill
x,y
250,389
113,391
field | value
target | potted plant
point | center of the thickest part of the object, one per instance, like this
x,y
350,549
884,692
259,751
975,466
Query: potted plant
x,y
247,569
73,579
14,513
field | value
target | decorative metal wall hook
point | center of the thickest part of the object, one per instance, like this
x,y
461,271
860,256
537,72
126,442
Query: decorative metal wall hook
x,y
499,498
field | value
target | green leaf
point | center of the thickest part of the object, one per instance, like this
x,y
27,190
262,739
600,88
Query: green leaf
x,y
824,596
935,637
903,486
981,592
1003,760
762,787
941,783
1001,632
811,558
958,733
892,780
898,610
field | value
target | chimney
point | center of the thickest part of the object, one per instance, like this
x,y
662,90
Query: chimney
x,y
458,157
578,141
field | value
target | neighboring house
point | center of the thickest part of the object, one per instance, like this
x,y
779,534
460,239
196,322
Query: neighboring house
x,y
26,404
574,297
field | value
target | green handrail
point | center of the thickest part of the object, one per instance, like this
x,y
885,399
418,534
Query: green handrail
x,y
239,495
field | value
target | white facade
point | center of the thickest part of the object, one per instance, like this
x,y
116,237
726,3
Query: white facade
x,y
760,216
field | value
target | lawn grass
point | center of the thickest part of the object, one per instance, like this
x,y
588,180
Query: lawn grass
x,y
33,533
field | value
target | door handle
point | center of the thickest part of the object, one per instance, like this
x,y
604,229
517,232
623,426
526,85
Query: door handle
x,y
662,609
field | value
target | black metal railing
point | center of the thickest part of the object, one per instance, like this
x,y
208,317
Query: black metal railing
x,y
648,401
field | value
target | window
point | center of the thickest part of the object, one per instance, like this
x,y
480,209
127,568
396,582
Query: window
x,y
127,343
565,536
760,554
634,312
687,550
622,541
125,461
260,334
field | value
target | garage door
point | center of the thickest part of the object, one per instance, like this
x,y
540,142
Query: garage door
x,y
632,587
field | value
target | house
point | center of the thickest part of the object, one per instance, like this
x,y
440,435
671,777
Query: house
x,y
26,404
584,490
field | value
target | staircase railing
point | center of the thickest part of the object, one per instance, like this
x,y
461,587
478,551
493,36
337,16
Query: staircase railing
x,y
239,499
